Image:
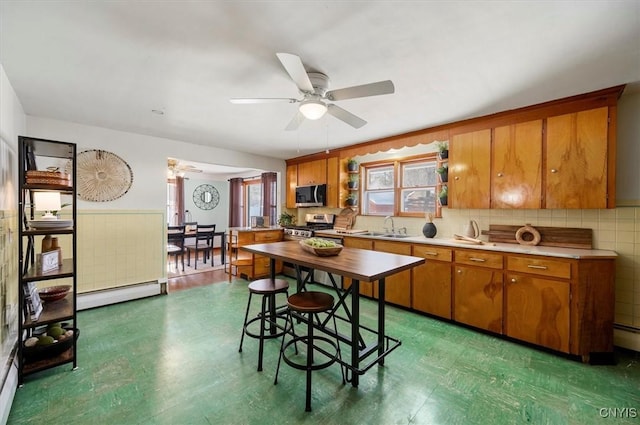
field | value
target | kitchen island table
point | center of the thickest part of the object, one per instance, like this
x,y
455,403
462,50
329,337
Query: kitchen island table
x,y
359,265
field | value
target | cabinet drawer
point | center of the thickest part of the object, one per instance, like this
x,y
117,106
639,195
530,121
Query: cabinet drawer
x,y
274,236
432,253
540,266
261,265
479,258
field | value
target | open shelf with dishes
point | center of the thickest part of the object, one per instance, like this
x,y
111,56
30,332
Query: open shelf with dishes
x,y
47,248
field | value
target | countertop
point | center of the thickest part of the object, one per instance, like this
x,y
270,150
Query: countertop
x,y
549,251
254,229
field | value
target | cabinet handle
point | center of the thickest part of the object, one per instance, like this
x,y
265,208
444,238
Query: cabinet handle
x,y
553,170
477,260
513,280
500,174
459,271
456,178
435,254
532,266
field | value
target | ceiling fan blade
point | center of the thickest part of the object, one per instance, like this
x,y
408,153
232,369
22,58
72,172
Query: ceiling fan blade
x,y
295,122
346,116
371,89
294,67
245,101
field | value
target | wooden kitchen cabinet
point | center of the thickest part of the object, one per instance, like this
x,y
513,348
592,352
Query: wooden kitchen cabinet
x,y
312,172
577,174
291,183
562,304
243,263
398,285
366,288
431,281
477,289
537,310
470,170
516,180
333,182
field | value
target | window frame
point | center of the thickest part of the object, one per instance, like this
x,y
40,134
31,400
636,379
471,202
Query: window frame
x,y
398,185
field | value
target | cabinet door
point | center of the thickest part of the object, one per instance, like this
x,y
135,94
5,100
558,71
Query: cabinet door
x,y
537,311
478,297
292,182
516,180
469,170
576,157
333,185
312,172
431,281
366,288
398,285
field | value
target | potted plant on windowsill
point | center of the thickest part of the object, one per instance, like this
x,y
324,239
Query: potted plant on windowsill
x,y
352,200
443,196
444,173
352,165
353,181
443,149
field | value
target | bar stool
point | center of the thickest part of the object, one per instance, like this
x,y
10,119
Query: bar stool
x,y
311,303
268,315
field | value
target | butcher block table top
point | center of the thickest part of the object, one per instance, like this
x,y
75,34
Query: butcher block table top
x,y
360,264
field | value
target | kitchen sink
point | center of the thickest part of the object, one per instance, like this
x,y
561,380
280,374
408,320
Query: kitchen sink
x,y
384,235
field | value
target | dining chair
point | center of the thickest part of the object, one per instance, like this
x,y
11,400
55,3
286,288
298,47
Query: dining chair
x,y
175,243
203,243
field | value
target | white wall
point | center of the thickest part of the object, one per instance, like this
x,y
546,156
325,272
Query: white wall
x,y
220,214
147,157
12,124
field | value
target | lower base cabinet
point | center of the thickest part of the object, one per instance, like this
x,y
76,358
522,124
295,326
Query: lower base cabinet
x,y
537,311
478,298
431,281
564,304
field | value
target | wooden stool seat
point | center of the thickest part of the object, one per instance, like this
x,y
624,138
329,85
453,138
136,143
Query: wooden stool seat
x,y
268,286
310,302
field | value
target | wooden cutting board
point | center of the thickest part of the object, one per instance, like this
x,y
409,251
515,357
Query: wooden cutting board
x,y
566,237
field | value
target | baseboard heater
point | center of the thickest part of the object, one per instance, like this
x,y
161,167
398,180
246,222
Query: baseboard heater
x,y
626,337
105,297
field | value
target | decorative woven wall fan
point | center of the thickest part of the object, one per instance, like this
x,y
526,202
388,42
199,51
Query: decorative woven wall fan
x,y
102,176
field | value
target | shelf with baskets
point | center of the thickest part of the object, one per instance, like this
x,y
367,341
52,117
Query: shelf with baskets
x,y
47,248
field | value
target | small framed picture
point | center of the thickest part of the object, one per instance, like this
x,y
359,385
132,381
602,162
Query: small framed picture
x,y
49,261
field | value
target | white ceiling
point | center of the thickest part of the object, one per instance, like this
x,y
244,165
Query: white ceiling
x,y
110,64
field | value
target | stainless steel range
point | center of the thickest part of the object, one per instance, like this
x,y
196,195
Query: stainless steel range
x,y
314,222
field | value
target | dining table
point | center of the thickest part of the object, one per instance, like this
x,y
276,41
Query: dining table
x,y
368,345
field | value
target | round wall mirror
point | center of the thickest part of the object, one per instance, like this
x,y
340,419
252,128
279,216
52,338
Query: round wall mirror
x,y
206,197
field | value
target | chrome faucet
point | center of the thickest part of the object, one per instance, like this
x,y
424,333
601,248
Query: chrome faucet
x,y
386,229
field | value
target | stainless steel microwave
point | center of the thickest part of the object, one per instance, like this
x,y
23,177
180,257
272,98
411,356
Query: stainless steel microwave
x,y
311,196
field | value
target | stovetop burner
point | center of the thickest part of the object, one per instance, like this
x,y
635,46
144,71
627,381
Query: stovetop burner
x,y
314,222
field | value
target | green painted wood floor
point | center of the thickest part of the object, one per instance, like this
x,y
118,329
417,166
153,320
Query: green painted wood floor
x,y
174,360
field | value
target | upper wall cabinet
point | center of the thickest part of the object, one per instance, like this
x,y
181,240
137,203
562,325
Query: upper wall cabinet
x,y
319,171
516,178
576,156
312,172
518,166
469,170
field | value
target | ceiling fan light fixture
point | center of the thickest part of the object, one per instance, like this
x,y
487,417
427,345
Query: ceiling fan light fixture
x,y
313,109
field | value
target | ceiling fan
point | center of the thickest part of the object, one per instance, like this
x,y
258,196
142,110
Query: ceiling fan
x,y
313,87
176,169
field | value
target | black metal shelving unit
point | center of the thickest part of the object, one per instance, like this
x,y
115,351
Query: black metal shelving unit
x,y
31,150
